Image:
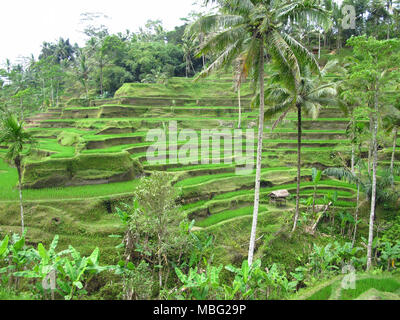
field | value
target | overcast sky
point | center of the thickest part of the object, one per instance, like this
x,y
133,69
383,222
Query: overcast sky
x,y
25,24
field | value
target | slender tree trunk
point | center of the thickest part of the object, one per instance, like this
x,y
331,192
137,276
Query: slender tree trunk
x,y
43,94
393,154
57,96
159,264
299,133
101,75
52,93
87,90
314,196
373,195
319,45
240,109
352,145
259,154
370,146
18,165
356,215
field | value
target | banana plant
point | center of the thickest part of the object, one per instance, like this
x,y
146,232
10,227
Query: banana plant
x,y
200,286
71,270
77,271
243,276
47,261
390,253
16,255
4,247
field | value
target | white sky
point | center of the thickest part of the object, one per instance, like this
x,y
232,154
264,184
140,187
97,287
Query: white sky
x,y
25,24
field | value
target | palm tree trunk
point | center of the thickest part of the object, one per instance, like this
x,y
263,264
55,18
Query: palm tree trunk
x,y
352,145
240,109
101,75
319,45
259,153
296,215
314,196
370,146
373,192
393,153
18,165
356,215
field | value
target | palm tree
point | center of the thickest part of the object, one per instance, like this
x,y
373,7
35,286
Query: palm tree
x,y
240,75
309,96
15,137
363,179
82,71
257,29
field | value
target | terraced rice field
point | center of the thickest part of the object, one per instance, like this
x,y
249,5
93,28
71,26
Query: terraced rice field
x,y
73,138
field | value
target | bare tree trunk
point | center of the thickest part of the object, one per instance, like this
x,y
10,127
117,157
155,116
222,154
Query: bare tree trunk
x,y
240,109
101,80
393,154
259,154
314,227
52,93
299,132
373,195
101,75
319,45
352,145
370,146
57,97
356,215
43,94
18,165
314,196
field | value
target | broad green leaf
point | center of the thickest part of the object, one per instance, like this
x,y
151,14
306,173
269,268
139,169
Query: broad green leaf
x,y
43,253
19,244
4,245
78,284
94,257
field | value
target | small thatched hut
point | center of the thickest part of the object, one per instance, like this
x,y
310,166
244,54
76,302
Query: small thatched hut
x,y
279,197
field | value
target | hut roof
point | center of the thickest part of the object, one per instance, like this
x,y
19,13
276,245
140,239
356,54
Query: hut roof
x,y
280,194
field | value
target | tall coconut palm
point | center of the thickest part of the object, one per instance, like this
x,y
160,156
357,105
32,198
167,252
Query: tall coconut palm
x,y
240,75
14,136
258,30
308,96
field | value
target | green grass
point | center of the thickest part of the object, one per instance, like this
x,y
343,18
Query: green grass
x,y
208,178
70,193
363,285
380,285
323,294
227,215
53,146
6,294
9,191
291,186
